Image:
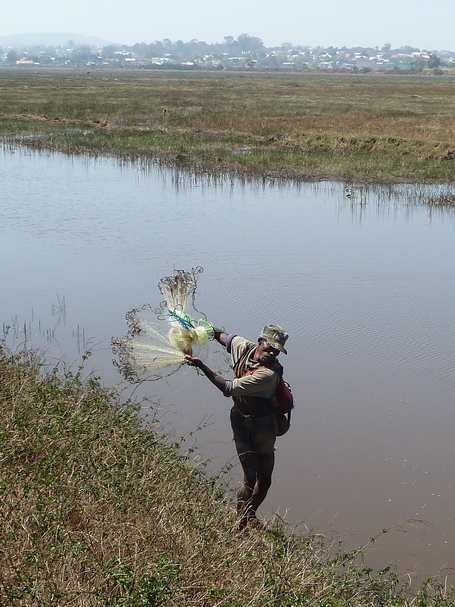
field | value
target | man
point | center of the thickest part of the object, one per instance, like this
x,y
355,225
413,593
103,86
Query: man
x,y
253,416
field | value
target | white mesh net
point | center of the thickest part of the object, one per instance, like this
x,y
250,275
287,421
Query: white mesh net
x,y
150,345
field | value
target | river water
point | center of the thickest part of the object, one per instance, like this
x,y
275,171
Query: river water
x,y
365,285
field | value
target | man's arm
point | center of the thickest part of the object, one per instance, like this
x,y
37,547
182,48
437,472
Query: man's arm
x,y
221,336
216,380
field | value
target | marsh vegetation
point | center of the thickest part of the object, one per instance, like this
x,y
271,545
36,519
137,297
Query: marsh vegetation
x,y
375,128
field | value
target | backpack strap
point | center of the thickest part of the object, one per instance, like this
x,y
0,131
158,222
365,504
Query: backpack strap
x,y
275,366
240,366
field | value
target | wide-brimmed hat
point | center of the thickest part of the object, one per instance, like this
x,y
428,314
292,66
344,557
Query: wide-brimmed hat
x,y
276,336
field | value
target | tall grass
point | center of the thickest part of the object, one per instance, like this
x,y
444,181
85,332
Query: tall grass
x,y
369,127
99,508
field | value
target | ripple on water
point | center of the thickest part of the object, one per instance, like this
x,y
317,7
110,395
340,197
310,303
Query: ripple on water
x,y
366,295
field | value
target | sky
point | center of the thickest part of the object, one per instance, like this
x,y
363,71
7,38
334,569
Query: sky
x,y
421,24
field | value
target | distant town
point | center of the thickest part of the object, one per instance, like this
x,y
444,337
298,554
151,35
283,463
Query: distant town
x,y
242,53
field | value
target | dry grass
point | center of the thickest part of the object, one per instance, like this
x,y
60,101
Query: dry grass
x,y
369,127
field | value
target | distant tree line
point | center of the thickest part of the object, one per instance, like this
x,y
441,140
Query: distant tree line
x,y
243,51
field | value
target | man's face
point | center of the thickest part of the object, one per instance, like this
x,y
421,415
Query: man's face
x,y
265,353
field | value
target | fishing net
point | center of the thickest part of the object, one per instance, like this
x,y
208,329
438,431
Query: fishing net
x,y
159,339
177,289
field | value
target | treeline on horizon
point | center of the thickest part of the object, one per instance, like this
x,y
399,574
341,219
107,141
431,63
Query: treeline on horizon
x,y
245,47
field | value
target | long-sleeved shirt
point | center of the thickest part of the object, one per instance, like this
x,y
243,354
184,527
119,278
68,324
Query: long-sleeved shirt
x,y
253,394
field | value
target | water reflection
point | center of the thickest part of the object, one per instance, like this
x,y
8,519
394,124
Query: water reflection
x,y
364,284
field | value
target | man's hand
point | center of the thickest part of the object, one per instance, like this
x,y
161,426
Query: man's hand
x,y
216,380
193,361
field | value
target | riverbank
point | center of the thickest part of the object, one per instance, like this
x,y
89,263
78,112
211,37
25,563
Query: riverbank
x,y
98,508
357,128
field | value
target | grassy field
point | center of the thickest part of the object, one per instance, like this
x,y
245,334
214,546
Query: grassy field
x,y
97,508
367,128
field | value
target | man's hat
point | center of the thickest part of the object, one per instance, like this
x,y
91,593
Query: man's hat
x,y
276,336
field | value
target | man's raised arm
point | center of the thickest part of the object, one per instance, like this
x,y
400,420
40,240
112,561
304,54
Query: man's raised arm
x,y
221,336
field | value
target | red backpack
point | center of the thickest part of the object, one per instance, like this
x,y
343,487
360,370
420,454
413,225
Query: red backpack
x,y
285,398
283,393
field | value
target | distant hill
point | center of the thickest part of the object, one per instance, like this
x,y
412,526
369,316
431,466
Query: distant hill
x,y
20,41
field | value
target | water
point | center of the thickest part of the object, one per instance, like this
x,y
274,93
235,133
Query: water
x,y
366,292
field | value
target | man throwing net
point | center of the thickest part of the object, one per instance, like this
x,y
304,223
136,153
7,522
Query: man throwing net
x,y
254,418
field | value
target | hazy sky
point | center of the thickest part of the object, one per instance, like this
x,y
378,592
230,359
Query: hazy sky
x,y
424,24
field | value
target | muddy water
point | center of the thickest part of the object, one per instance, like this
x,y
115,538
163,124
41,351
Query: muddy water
x,y
365,286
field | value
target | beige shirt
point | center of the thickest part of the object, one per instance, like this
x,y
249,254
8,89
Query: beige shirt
x,y
263,382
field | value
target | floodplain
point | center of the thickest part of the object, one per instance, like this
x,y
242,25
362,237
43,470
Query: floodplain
x,y
366,128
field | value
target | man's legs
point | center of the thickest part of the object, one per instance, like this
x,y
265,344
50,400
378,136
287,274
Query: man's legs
x,y
245,493
257,478
265,463
254,439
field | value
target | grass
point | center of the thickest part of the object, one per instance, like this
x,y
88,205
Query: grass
x,y
369,128
99,508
